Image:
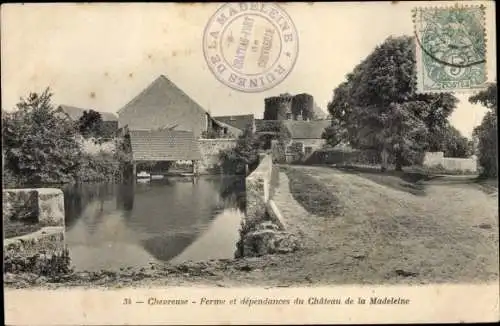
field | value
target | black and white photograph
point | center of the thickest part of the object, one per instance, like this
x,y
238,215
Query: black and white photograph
x,y
219,147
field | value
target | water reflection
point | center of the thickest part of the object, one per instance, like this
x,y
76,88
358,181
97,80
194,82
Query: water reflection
x,y
114,226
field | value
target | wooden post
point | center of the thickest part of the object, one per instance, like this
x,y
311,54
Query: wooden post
x,y
195,168
134,171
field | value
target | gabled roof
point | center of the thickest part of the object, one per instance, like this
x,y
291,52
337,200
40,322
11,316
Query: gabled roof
x,y
237,121
163,145
231,129
157,90
75,113
306,129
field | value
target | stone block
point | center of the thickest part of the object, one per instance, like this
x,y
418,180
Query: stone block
x,y
43,205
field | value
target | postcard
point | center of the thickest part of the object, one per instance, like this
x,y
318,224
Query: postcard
x,y
249,163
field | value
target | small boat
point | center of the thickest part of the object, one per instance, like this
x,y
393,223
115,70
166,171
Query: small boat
x,y
157,176
143,175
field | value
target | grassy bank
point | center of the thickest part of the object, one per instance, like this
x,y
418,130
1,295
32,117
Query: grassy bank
x,y
13,229
312,194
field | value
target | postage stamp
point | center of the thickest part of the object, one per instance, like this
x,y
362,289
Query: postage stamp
x,y
250,47
451,48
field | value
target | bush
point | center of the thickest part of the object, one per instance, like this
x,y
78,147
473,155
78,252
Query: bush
x,y
98,167
39,145
245,153
39,264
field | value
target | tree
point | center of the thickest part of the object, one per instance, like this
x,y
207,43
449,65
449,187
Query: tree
x,y
334,134
455,144
245,153
380,109
39,145
90,124
486,132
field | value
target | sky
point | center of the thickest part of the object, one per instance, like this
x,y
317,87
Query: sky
x,y
100,56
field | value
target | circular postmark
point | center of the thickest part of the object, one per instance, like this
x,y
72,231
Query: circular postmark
x,y
250,47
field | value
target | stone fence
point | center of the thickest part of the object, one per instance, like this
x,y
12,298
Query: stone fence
x,y
210,150
43,210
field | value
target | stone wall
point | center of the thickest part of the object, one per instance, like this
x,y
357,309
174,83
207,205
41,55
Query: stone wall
x,y
258,185
42,206
296,150
210,149
437,159
263,229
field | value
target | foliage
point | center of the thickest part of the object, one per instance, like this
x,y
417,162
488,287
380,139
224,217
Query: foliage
x,y
90,124
456,145
486,132
334,134
100,167
245,153
40,146
377,107
40,264
487,98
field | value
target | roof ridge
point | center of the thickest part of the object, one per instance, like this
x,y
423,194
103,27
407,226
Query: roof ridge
x,y
172,84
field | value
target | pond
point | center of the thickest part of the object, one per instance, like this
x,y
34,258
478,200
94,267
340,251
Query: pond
x,y
113,226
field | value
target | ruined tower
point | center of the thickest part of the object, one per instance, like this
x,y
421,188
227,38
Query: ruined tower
x,y
278,107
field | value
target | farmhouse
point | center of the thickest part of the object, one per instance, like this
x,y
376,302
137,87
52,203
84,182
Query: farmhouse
x,y
163,105
109,120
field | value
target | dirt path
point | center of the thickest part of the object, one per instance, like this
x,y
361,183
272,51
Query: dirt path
x,y
387,235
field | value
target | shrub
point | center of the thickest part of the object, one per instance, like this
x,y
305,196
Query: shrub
x,y
39,145
39,264
245,153
98,167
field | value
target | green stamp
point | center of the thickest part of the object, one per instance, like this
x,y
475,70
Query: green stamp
x,y
451,48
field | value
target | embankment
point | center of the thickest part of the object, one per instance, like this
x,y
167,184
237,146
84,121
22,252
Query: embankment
x,y
263,229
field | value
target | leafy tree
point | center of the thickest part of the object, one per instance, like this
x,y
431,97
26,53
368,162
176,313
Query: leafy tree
x,y
39,145
377,107
486,132
245,153
487,97
334,134
455,144
90,124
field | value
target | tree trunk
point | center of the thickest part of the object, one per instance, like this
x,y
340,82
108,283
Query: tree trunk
x,y
399,161
385,156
